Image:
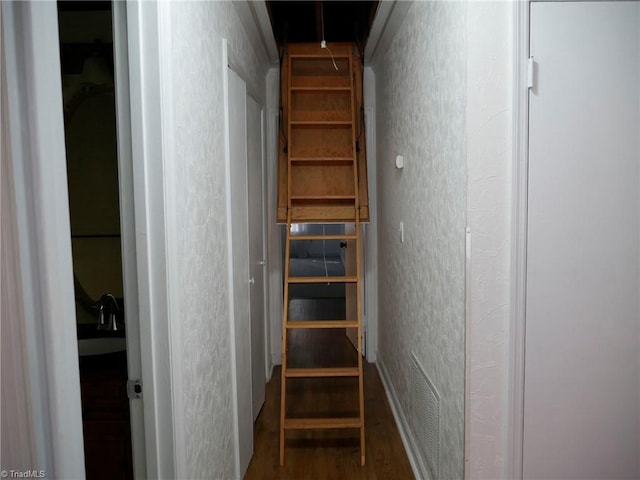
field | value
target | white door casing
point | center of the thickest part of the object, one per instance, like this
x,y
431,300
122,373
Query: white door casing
x,y
127,228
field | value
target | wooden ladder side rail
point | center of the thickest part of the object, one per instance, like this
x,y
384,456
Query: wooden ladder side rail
x,y
283,139
285,320
358,262
285,316
360,126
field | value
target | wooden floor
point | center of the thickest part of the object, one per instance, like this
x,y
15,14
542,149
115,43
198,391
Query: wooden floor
x,y
327,454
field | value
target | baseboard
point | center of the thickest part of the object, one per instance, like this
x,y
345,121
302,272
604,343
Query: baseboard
x,y
276,359
270,372
401,422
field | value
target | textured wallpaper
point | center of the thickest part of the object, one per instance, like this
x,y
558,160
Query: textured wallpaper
x,y
197,32
489,79
421,114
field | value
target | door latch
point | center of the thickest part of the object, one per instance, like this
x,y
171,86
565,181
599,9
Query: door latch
x,y
134,389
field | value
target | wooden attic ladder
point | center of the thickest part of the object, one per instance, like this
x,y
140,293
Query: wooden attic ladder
x,y
322,177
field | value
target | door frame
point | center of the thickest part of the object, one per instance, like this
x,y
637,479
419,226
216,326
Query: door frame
x,y
153,144
520,183
240,339
127,228
263,239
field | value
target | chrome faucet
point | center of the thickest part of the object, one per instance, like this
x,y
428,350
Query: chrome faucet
x,y
108,307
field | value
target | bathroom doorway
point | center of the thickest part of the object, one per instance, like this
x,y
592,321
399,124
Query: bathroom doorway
x,y
94,79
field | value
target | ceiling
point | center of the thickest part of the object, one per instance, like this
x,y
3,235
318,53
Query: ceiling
x,y
301,21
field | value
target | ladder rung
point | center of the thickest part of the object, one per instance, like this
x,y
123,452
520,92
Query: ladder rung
x,y
336,279
313,56
323,197
321,372
321,123
321,423
322,324
320,89
322,159
324,237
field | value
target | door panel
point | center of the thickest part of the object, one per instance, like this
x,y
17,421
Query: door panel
x,y
240,247
256,252
582,363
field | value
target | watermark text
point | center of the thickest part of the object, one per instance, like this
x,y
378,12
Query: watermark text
x,y
23,474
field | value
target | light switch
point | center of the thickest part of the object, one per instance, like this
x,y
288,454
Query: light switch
x,y
401,232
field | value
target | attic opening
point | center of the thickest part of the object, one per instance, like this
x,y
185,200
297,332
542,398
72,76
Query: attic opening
x,y
302,22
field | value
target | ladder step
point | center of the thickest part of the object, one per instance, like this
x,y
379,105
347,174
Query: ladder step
x,y
314,56
320,423
321,372
324,237
320,89
322,160
336,279
323,197
321,123
322,324
322,213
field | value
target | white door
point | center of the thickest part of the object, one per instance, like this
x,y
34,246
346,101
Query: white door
x,y
239,245
256,252
582,361
127,227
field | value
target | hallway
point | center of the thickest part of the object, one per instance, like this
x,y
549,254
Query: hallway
x,y
327,454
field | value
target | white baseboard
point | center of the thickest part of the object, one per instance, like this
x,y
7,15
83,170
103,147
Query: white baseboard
x,y
401,422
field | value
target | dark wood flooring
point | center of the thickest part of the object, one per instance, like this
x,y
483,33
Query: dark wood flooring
x,y
326,454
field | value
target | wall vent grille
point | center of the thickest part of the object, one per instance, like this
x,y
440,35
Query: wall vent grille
x,y
425,418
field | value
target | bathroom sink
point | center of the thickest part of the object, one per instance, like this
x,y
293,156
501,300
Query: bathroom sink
x,y
101,346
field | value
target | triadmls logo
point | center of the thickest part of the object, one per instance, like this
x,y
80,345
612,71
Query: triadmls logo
x,y
23,474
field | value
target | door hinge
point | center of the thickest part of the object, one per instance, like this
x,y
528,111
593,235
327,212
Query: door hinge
x,y
530,67
134,389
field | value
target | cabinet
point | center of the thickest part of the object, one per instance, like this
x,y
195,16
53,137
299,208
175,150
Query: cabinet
x,y
105,417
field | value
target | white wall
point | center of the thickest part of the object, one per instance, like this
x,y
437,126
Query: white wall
x,y
198,180
420,103
444,101
488,135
